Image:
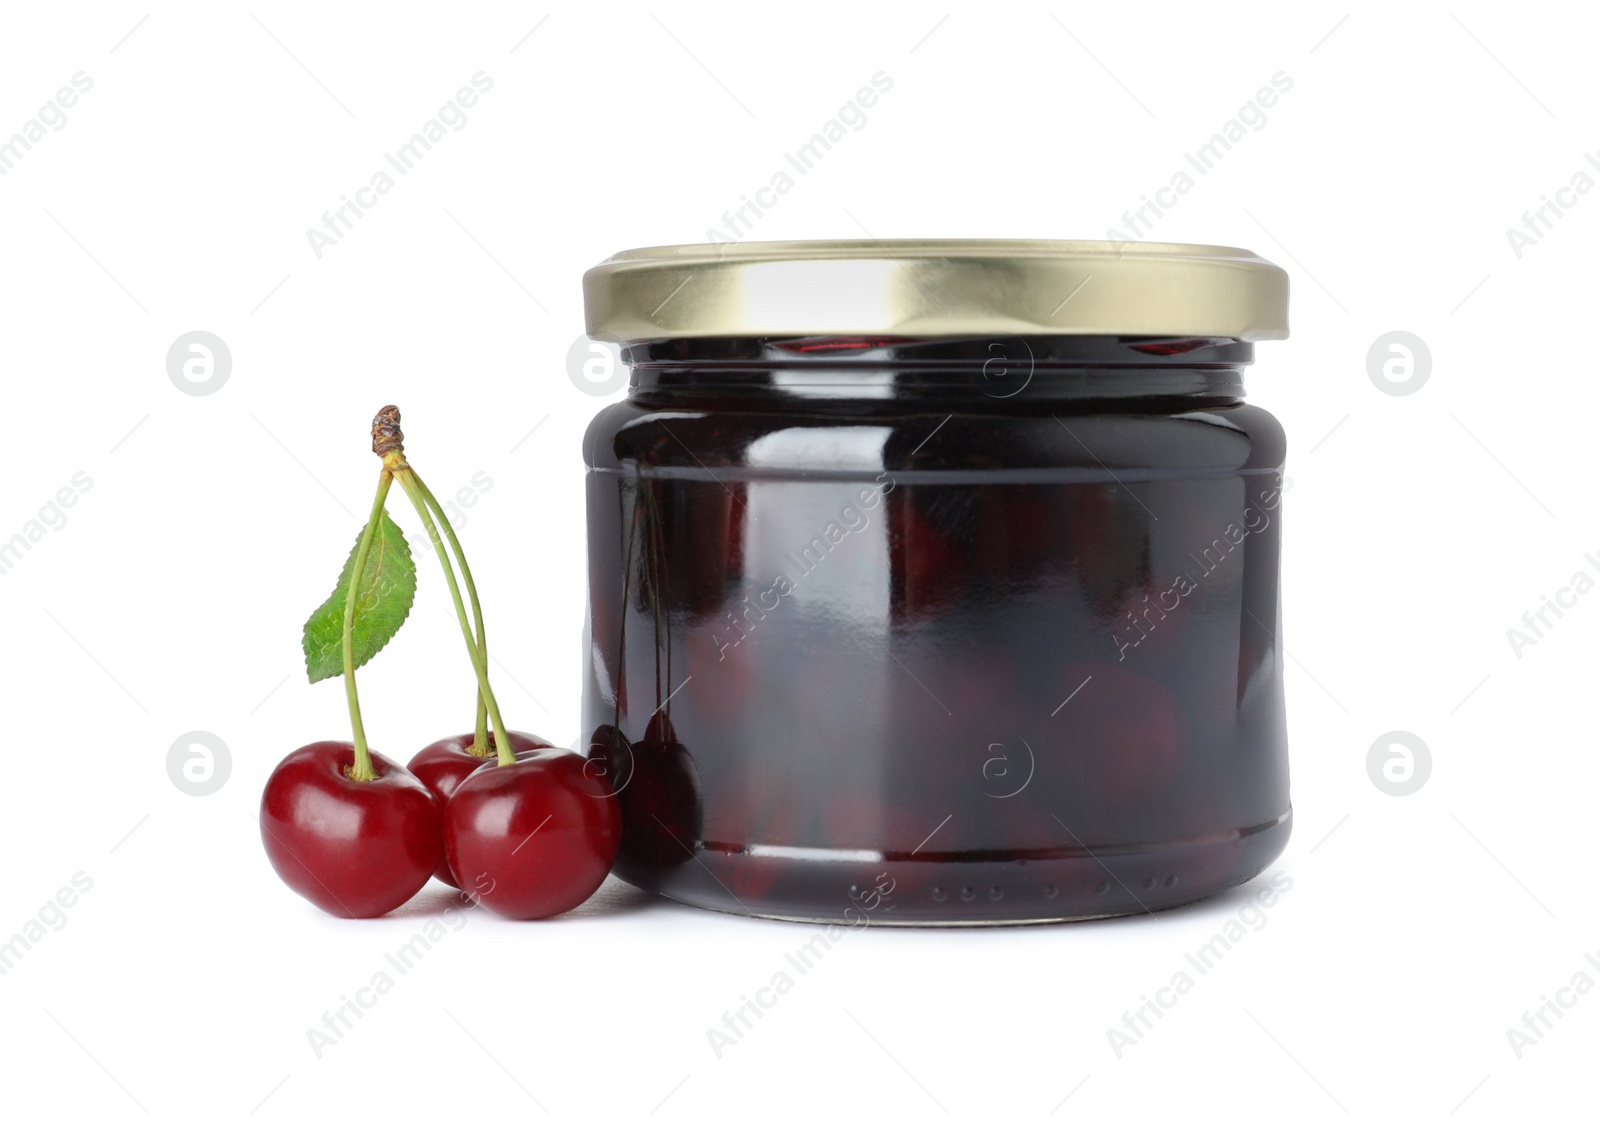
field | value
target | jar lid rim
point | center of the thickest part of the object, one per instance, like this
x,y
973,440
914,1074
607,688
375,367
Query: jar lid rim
x,y
935,288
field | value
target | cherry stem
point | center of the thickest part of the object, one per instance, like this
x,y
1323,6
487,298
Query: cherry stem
x,y
480,741
389,444
502,742
362,768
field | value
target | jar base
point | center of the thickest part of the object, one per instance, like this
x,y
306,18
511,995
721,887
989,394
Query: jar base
x,y
856,888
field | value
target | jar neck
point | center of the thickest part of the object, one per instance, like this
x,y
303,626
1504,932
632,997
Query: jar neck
x,y
991,370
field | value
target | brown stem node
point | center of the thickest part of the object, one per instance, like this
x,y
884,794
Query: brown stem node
x,y
386,433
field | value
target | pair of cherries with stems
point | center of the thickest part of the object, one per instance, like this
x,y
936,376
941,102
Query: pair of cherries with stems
x,y
528,830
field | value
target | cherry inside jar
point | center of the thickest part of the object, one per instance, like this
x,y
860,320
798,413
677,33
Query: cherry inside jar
x,y
953,630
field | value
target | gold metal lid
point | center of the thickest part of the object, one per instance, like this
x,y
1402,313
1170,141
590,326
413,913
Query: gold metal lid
x,y
936,288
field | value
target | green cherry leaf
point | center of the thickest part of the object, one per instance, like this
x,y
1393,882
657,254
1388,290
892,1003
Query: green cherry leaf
x,y
388,585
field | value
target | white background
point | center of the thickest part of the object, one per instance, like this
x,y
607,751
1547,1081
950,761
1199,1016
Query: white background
x,y
1419,529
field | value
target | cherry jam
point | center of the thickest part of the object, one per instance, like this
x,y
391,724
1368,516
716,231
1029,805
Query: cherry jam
x,y
938,631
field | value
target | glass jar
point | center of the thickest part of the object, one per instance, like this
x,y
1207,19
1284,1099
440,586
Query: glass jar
x,y
937,582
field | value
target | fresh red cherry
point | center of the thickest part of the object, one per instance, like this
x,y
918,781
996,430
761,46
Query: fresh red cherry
x,y
533,838
352,848
443,765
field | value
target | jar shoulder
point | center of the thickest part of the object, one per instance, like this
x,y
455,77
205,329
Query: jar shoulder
x,y
869,437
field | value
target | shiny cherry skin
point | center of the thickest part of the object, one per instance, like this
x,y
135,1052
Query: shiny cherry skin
x,y
443,765
352,848
534,838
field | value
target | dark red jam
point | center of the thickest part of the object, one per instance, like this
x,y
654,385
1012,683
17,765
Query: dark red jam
x,y
938,631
